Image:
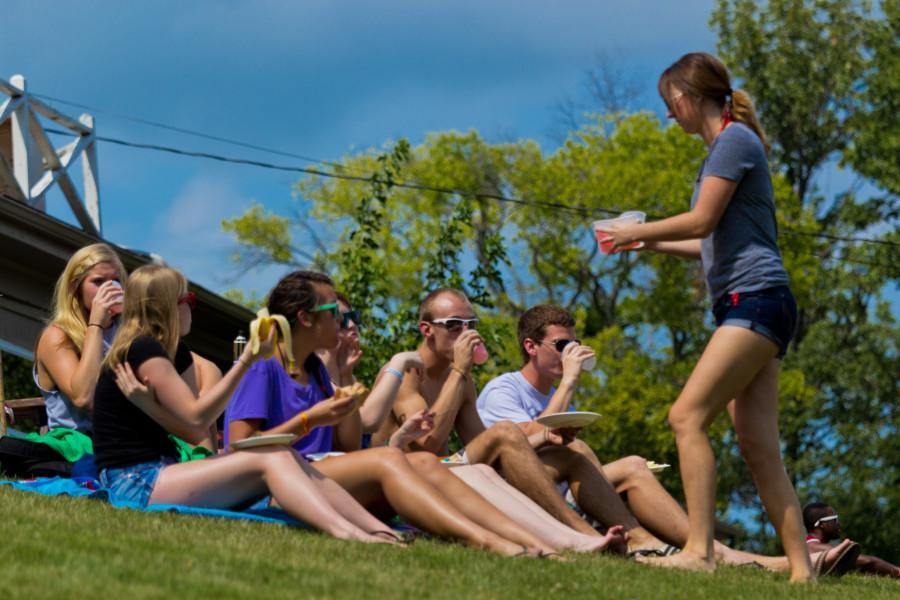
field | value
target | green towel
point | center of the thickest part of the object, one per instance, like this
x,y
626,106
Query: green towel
x,y
187,453
71,444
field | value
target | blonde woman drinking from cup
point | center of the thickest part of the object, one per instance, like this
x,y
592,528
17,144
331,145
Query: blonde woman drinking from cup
x,y
731,228
69,350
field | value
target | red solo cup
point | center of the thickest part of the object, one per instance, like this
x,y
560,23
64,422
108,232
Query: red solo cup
x,y
479,354
605,242
117,308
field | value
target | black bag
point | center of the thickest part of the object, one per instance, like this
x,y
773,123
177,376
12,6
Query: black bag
x,y
26,459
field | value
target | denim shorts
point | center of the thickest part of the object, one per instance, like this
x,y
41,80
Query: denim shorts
x,y
771,312
134,483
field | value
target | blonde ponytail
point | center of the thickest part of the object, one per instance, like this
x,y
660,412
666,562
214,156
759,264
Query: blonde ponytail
x,y
742,111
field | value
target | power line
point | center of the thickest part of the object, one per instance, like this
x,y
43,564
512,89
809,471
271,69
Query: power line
x,y
429,188
346,176
185,131
839,238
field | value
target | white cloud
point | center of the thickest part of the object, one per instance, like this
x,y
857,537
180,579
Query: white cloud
x,y
188,234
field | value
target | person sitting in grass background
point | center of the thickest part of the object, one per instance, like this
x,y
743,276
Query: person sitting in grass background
x,y
824,526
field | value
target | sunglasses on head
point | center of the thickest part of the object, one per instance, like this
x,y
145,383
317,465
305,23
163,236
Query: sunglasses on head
x,y
332,307
824,520
454,323
190,299
350,315
560,345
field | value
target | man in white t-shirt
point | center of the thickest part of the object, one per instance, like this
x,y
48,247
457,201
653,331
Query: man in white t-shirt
x,y
546,334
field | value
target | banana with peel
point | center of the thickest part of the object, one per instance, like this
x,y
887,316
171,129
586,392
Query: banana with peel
x,y
259,330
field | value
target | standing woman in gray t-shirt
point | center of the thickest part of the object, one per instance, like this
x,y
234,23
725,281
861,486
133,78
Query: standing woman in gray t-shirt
x,y
731,229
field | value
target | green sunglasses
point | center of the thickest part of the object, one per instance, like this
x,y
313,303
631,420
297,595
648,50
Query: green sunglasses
x,y
333,307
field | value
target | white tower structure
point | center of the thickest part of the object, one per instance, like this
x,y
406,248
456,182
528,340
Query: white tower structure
x,y
30,164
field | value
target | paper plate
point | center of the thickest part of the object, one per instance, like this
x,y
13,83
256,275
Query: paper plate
x,y
276,439
656,467
568,419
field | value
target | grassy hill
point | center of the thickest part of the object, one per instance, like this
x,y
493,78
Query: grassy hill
x,y
65,547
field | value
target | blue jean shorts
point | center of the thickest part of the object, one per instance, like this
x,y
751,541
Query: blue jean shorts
x,y
134,483
771,312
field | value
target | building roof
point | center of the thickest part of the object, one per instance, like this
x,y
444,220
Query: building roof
x,y
34,248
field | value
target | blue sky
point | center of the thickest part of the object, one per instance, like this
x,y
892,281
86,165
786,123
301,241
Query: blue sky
x,y
321,79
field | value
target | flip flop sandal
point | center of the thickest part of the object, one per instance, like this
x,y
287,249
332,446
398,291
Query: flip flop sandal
x,y
843,563
555,556
392,534
667,550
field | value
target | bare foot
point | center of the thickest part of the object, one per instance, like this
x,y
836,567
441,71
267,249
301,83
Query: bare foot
x,y
683,560
389,537
641,539
374,538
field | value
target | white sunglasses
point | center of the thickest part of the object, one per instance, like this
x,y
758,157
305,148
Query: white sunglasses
x,y
825,520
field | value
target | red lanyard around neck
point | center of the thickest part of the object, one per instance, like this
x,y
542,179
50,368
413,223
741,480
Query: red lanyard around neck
x,y
726,119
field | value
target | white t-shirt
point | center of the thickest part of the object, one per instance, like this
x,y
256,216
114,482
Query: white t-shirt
x,y
510,397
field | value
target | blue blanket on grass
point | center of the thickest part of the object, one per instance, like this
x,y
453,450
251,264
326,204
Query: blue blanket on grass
x,y
90,488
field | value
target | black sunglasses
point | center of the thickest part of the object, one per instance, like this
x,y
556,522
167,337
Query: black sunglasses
x,y
350,315
560,345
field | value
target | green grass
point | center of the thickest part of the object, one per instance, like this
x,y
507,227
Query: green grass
x,y
65,547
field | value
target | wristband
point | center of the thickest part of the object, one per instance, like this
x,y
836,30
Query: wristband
x,y
394,372
304,420
458,370
246,366
95,325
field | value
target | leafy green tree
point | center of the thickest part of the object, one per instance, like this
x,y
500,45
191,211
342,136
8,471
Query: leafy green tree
x,y
875,147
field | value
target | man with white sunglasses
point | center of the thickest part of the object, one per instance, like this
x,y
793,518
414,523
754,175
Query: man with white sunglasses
x,y
823,525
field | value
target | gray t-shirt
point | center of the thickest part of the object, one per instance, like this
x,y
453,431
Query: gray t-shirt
x,y
741,254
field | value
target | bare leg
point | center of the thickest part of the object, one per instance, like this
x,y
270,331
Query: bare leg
x,y
226,480
525,512
472,504
756,424
344,503
595,494
732,360
384,473
506,448
658,511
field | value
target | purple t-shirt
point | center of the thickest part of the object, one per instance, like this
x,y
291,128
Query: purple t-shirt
x,y
267,392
